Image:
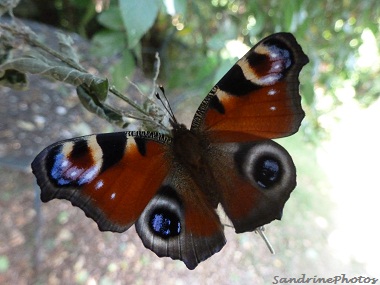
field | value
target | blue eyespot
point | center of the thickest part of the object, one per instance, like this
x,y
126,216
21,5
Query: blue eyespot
x,y
267,172
56,170
165,223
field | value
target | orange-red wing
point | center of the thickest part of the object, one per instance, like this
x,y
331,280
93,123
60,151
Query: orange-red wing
x,y
111,177
258,97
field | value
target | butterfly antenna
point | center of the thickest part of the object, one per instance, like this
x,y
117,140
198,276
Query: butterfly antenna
x,y
260,231
165,103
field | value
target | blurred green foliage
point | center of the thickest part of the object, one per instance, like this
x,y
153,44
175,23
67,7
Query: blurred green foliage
x,y
191,38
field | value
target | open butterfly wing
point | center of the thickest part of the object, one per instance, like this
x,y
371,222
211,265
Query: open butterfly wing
x,y
179,222
255,179
257,100
258,97
111,177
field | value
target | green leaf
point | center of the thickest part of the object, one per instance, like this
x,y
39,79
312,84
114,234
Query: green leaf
x,y
111,19
123,68
66,47
138,17
100,89
176,7
108,43
288,14
90,101
52,69
180,6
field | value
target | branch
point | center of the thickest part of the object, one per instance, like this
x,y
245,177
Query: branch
x,y
64,66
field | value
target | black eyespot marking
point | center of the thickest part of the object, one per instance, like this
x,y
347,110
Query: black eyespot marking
x,y
266,165
165,223
163,218
113,147
235,83
256,59
140,142
267,171
217,105
78,149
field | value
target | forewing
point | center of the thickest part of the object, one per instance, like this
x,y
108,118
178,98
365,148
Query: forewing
x,y
111,177
258,97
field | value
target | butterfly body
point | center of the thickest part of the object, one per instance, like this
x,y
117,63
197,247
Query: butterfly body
x,y
169,186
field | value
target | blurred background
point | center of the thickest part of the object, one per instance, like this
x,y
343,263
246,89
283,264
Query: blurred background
x,y
331,222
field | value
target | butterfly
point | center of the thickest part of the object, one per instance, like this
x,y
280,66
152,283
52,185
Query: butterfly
x,y
169,186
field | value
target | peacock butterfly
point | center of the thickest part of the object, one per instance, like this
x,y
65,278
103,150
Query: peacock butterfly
x,y
169,186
